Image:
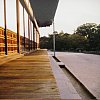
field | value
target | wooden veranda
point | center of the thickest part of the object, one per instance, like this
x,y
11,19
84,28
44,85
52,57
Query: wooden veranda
x,y
28,77
25,70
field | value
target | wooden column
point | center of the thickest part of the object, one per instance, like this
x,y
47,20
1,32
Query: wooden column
x,y
28,33
33,38
36,38
5,29
39,42
24,27
31,34
18,26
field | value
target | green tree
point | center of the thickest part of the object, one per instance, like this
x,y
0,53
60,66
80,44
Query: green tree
x,y
59,41
86,37
77,42
86,29
62,41
50,43
44,42
89,30
97,38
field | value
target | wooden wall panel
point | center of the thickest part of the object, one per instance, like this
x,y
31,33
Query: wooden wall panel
x,y
12,42
2,52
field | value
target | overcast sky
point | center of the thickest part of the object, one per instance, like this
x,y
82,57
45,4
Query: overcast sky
x,y
69,15
72,13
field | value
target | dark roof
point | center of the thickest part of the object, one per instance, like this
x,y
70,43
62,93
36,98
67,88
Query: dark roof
x,y
44,11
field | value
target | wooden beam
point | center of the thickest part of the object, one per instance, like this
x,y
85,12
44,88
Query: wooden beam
x,y
18,26
5,28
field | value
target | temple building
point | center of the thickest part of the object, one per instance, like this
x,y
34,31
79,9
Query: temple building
x,y
20,21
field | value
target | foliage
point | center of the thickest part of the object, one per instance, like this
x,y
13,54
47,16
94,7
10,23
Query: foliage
x,y
92,32
44,42
86,29
86,37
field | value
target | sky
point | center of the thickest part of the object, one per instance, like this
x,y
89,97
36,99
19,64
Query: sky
x,y
11,16
72,13
69,15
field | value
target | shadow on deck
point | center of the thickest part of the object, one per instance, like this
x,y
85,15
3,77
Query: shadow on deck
x,y
28,77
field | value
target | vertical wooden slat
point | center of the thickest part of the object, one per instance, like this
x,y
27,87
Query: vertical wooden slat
x,y
5,29
18,26
24,27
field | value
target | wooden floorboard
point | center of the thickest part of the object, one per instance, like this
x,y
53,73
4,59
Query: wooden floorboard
x,y
28,77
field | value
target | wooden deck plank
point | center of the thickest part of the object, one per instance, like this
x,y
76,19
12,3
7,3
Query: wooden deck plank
x,y
28,77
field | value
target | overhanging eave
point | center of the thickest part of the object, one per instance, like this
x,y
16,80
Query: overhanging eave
x,y
44,11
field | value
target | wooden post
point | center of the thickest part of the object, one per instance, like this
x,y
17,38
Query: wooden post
x,y
18,27
28,33
31,34
24,27
5,29
36,38
39,42
33,38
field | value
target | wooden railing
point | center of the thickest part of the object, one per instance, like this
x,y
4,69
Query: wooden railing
x,y
12,43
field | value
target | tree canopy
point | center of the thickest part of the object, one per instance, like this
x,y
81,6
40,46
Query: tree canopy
x,y
92,32
86,37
